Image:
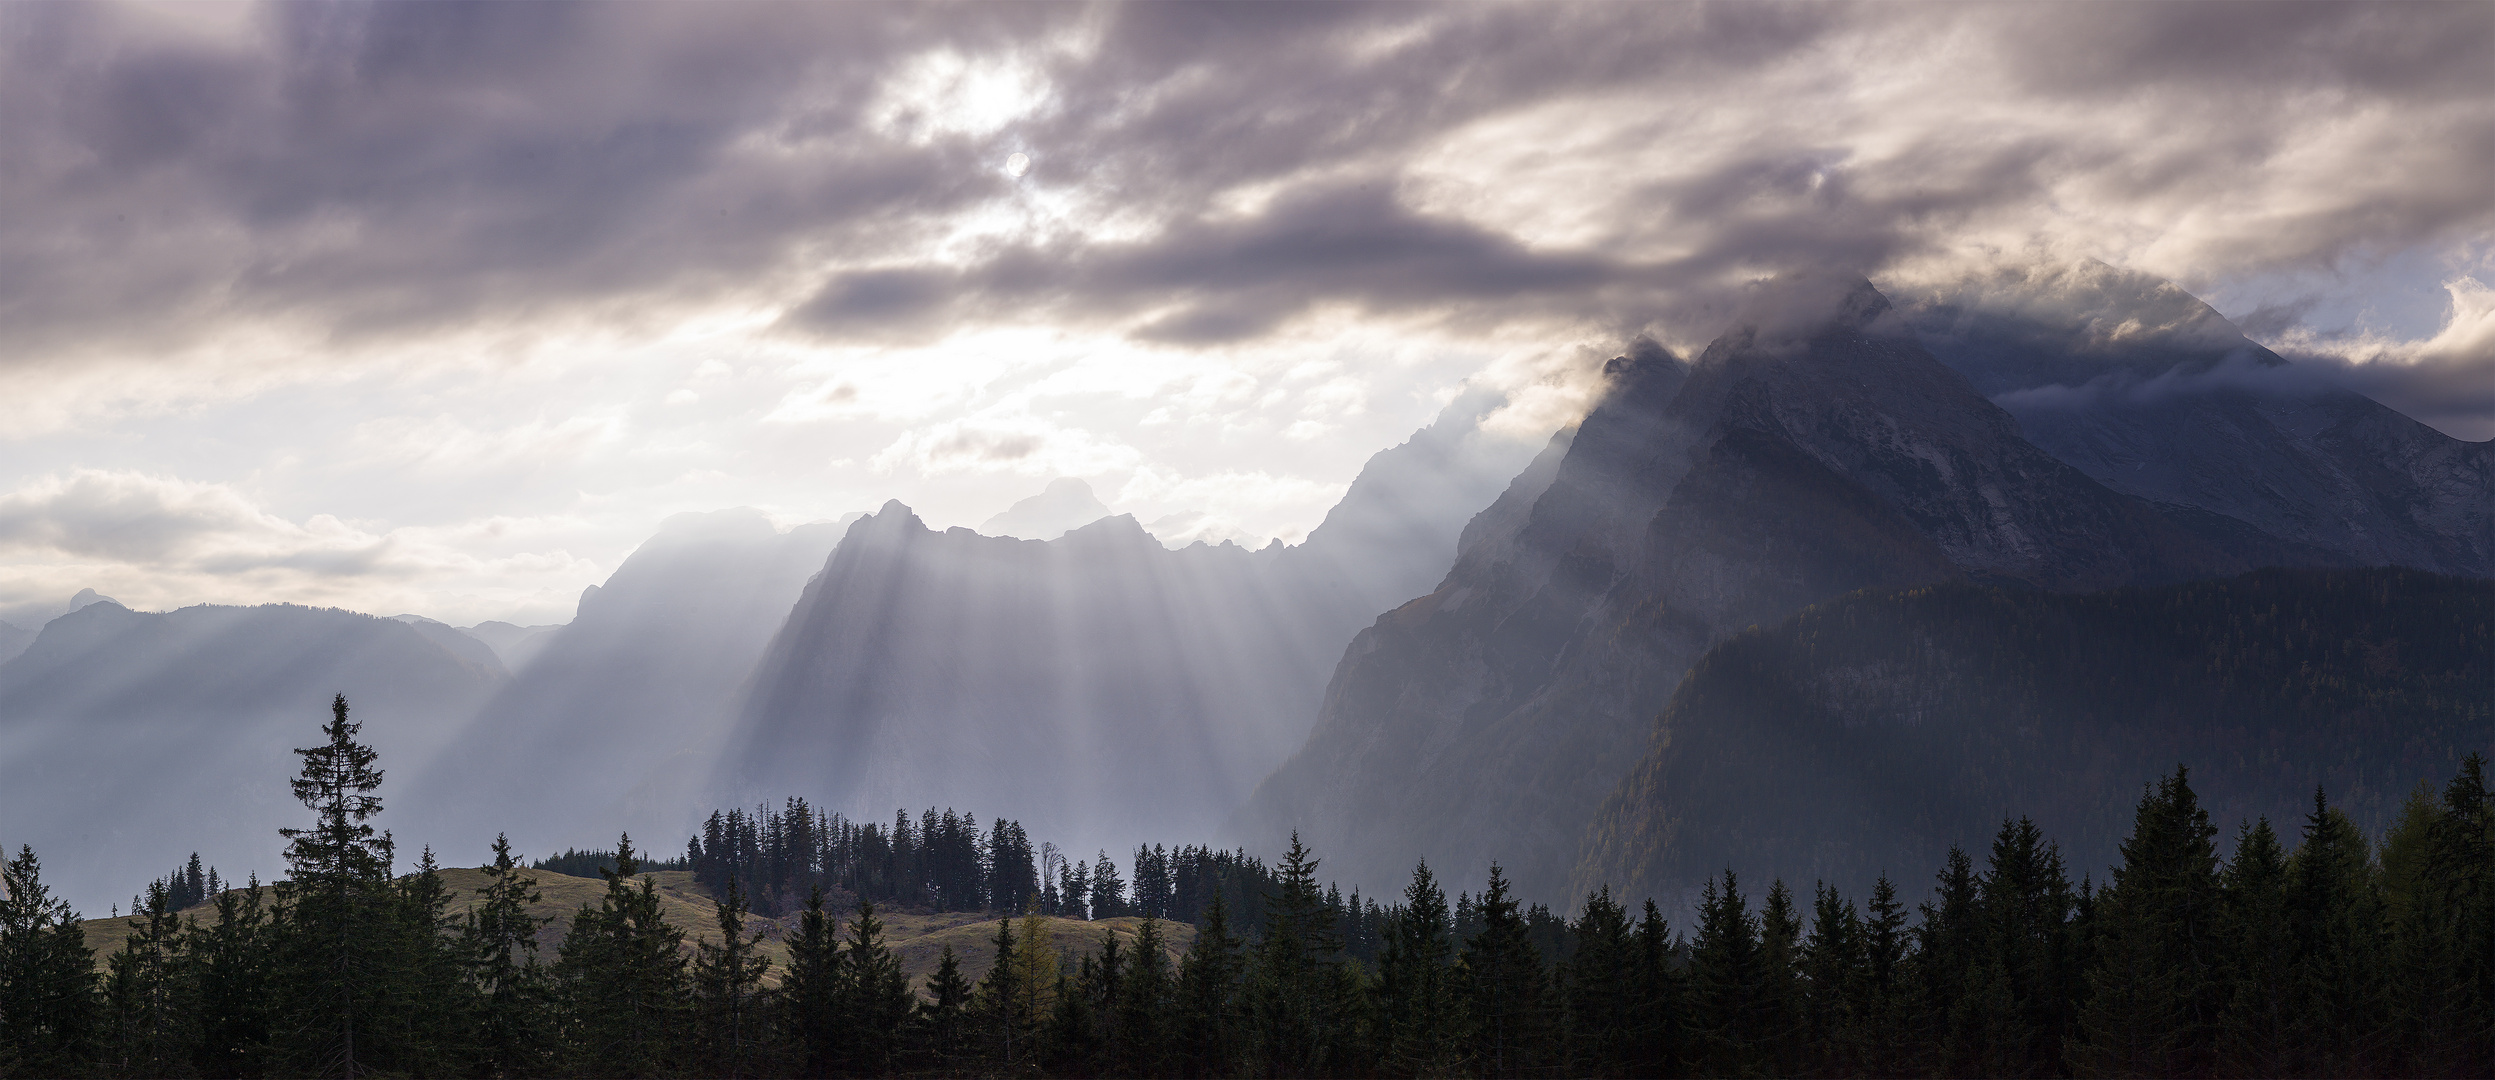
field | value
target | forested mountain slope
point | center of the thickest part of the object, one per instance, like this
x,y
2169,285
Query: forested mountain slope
x,y
1814,449
129,739
1868,734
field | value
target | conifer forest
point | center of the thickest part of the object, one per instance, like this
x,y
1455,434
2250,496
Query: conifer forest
x,y
2300,948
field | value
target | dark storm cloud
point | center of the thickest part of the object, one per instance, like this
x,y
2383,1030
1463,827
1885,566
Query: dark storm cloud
x,y
401,169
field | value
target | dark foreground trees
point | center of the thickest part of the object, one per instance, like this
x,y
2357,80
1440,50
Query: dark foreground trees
x,y
2315,952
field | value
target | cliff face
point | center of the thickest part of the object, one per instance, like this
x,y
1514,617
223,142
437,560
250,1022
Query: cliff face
x,y
1814,449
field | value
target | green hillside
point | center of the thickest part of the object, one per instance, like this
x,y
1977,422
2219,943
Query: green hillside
x,y
918,939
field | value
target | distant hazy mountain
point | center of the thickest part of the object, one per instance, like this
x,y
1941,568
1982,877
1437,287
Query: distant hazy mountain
x,y
1099,687
1065,505
516,645
130,739
13,640
1814,449
1867,734
2146,389
614,723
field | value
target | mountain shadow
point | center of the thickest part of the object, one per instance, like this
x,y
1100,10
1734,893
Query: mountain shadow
x,y
1867,734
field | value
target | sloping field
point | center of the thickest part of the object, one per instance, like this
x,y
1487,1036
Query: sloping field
x,y
918,939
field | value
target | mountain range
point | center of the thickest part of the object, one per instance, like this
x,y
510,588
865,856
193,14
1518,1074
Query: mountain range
x,y
1818,447
1479,655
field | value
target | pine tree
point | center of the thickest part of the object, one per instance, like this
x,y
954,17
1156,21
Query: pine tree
x,y
337,909
1208,1004
231,964
1500,981
499,939
1416,994
49,1012
620,974
728,989
2154,993
810,995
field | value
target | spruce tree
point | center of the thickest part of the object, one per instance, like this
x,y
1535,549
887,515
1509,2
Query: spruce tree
x,y
1780,957
2458,887
876,1002
810,995
2334,919
1656,1044
338,911
945,1019
621,978
1143,1005
1296,1010
1833,977
1598,990
147,1017
1728,984
499,938
428,1003
2154,992
728,990
1884,1002
2257,1025
1501,985
49,1012
998,1001
1208,1004
231,966
1417,1018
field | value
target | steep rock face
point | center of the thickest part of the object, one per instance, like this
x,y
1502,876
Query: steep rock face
x,y
1814,449
1866,735
2149,391
614,723
130,739
1099,687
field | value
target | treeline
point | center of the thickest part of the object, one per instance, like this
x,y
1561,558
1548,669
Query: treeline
x,y
2330,956
944,861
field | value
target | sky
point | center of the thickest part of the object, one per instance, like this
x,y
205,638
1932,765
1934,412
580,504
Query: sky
x,y
442,308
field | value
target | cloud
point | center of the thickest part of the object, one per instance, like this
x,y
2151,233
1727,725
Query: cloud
x,y
2447,379
155,540
162,521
